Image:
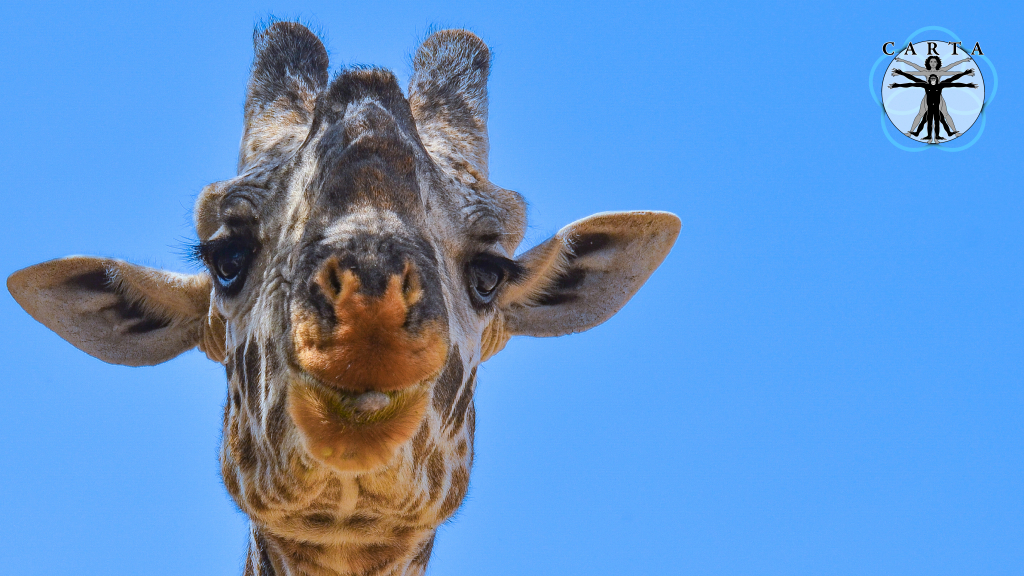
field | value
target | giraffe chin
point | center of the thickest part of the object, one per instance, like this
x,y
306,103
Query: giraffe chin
x,y
355,431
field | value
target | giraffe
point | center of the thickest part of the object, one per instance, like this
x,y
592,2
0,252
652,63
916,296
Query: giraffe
x,y
358,270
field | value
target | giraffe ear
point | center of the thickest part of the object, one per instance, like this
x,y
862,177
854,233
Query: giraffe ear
x,y
118,312
584,274
290,69
448,97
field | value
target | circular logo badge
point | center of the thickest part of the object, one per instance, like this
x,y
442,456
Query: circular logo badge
x,y
933,91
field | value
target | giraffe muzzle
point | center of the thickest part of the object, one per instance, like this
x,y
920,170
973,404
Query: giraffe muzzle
x,y
369,345
365,374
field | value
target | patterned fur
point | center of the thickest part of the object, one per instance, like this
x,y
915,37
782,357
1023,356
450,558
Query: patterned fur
x,y
304,180
360,267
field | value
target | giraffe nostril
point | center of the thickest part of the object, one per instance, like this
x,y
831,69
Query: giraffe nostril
x,y
334,282
406,281
412,289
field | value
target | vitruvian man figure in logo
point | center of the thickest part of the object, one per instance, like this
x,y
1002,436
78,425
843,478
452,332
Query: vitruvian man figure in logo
x,y
933,65
933,94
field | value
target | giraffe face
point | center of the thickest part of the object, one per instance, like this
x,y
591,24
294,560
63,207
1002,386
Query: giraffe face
x,y
350,266
358,269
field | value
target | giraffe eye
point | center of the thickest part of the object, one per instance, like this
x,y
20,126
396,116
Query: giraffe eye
x,y
230,263
228,260
487,273
487,280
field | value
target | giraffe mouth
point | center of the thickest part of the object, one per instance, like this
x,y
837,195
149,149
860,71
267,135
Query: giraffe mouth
x,y
357,407
355,431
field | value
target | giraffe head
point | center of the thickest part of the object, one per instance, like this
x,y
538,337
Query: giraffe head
x,y
358,269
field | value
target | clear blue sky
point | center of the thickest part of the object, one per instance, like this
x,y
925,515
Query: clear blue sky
x,y
825,376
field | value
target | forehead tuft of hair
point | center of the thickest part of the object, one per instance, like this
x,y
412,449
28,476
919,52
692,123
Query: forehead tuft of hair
x,y
365,83
354,84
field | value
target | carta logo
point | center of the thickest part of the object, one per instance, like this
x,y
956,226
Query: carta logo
x,y
932,92
928,96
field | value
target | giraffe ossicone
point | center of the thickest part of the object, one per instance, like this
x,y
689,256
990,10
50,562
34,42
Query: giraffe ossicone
x,y
360,267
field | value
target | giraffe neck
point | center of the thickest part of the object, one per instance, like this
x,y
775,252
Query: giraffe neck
x,y
271,555
312,520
